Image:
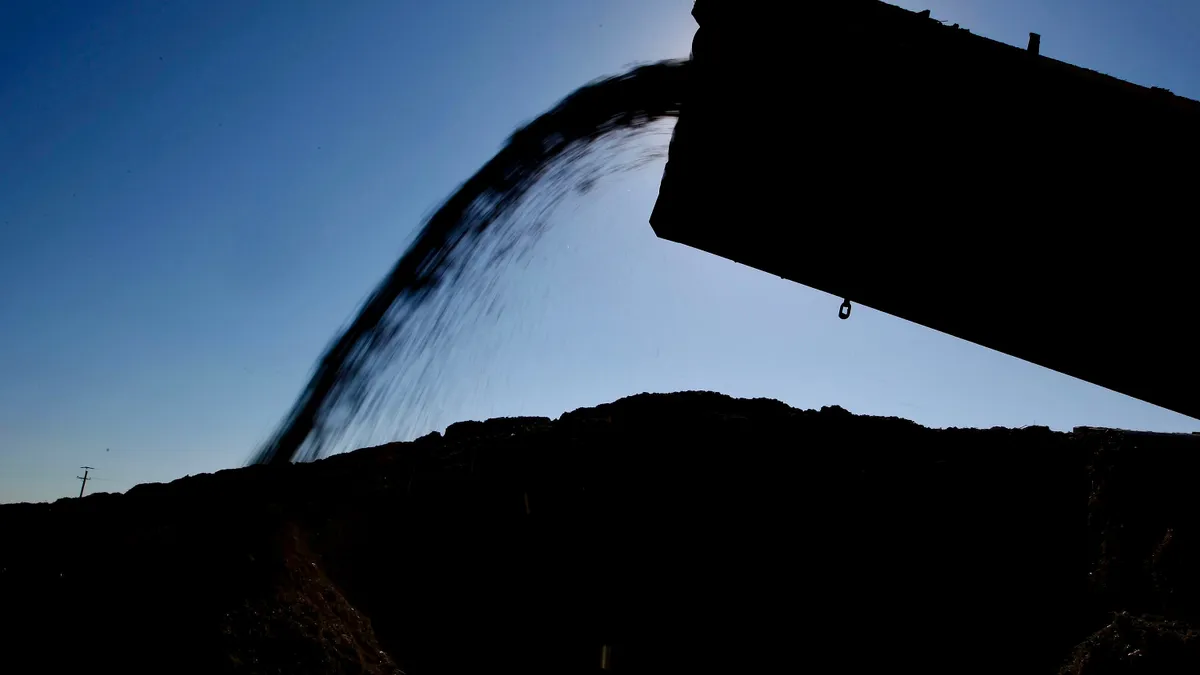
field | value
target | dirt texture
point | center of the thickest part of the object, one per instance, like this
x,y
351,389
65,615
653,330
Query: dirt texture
x,y
688,532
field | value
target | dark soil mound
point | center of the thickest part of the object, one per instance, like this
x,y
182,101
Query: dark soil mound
x,y
687,532
1137,645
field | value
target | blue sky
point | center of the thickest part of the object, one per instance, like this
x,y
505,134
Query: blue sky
x,y
195,195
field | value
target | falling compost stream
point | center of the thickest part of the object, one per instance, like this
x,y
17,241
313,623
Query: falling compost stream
x,y
385,361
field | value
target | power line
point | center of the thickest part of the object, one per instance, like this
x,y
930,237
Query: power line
x,y
84,477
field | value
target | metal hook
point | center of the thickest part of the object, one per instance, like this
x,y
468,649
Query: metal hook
x,y
844,310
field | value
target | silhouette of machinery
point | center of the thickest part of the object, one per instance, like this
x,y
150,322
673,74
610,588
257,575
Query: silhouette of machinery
x,y
986,191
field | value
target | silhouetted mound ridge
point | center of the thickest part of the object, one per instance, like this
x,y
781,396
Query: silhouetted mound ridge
x,y
688,532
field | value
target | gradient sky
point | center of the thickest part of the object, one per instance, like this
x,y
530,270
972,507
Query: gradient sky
x,y
195,195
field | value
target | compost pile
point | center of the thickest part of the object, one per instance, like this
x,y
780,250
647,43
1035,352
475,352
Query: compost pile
x,y
687,532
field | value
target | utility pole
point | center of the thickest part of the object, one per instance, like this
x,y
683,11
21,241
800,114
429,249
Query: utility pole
x,y
84,477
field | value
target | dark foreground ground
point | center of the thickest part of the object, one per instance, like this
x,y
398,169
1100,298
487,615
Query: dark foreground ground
x,y
688,532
